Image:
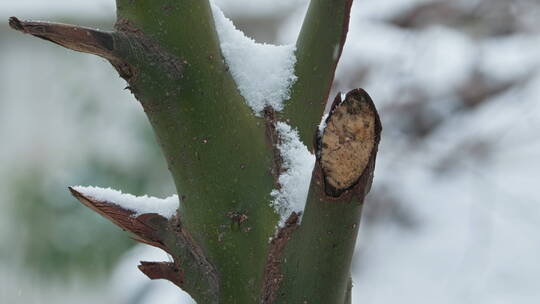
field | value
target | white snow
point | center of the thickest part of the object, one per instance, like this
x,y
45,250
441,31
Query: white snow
x,y
138,204
474,237
509,58
259,9
322,124
335,54
263,73
298,163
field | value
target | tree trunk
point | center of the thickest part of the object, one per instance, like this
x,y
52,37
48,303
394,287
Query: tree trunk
x,y
225,162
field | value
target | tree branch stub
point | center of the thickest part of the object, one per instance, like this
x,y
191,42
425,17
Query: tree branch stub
x,y
316,264
167,234
73,37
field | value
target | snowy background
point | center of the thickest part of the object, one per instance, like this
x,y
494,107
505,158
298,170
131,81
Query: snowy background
x,y
453,216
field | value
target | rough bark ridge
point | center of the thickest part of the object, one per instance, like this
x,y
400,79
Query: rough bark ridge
x,y
225,161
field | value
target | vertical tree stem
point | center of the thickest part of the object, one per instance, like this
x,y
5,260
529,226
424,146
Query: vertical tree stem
x,y
319,48
316,264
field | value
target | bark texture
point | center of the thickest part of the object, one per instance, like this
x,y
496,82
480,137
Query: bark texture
x,y
316,263
225,161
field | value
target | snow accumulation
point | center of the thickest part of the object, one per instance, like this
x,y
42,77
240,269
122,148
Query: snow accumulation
x,y
138,204
298,164
322,124
263,73
259,9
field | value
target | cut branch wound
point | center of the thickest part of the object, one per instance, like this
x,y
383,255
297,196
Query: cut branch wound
x,y
320,251
347,143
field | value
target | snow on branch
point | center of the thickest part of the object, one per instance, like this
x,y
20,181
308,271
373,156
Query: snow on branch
x,y
137,204
297,163
263,73
145,217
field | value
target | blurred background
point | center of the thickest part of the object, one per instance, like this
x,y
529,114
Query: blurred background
x,y
454,215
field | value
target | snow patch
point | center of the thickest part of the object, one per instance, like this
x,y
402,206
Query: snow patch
x,y
335,55
138,204
322,124
263,73
298,165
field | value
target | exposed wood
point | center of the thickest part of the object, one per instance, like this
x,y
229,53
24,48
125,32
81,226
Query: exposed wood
x,y
316,263
347,143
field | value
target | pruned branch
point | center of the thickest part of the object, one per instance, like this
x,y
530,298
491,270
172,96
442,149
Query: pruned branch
x,y
145,227
170,235
317,260
73,37
348,145
319,47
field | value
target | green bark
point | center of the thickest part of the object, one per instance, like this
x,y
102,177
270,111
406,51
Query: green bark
x,y
223,159
316,263
319,48
214,146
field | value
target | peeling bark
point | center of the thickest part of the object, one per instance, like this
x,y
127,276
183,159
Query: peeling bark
x,y
272,272
272,137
